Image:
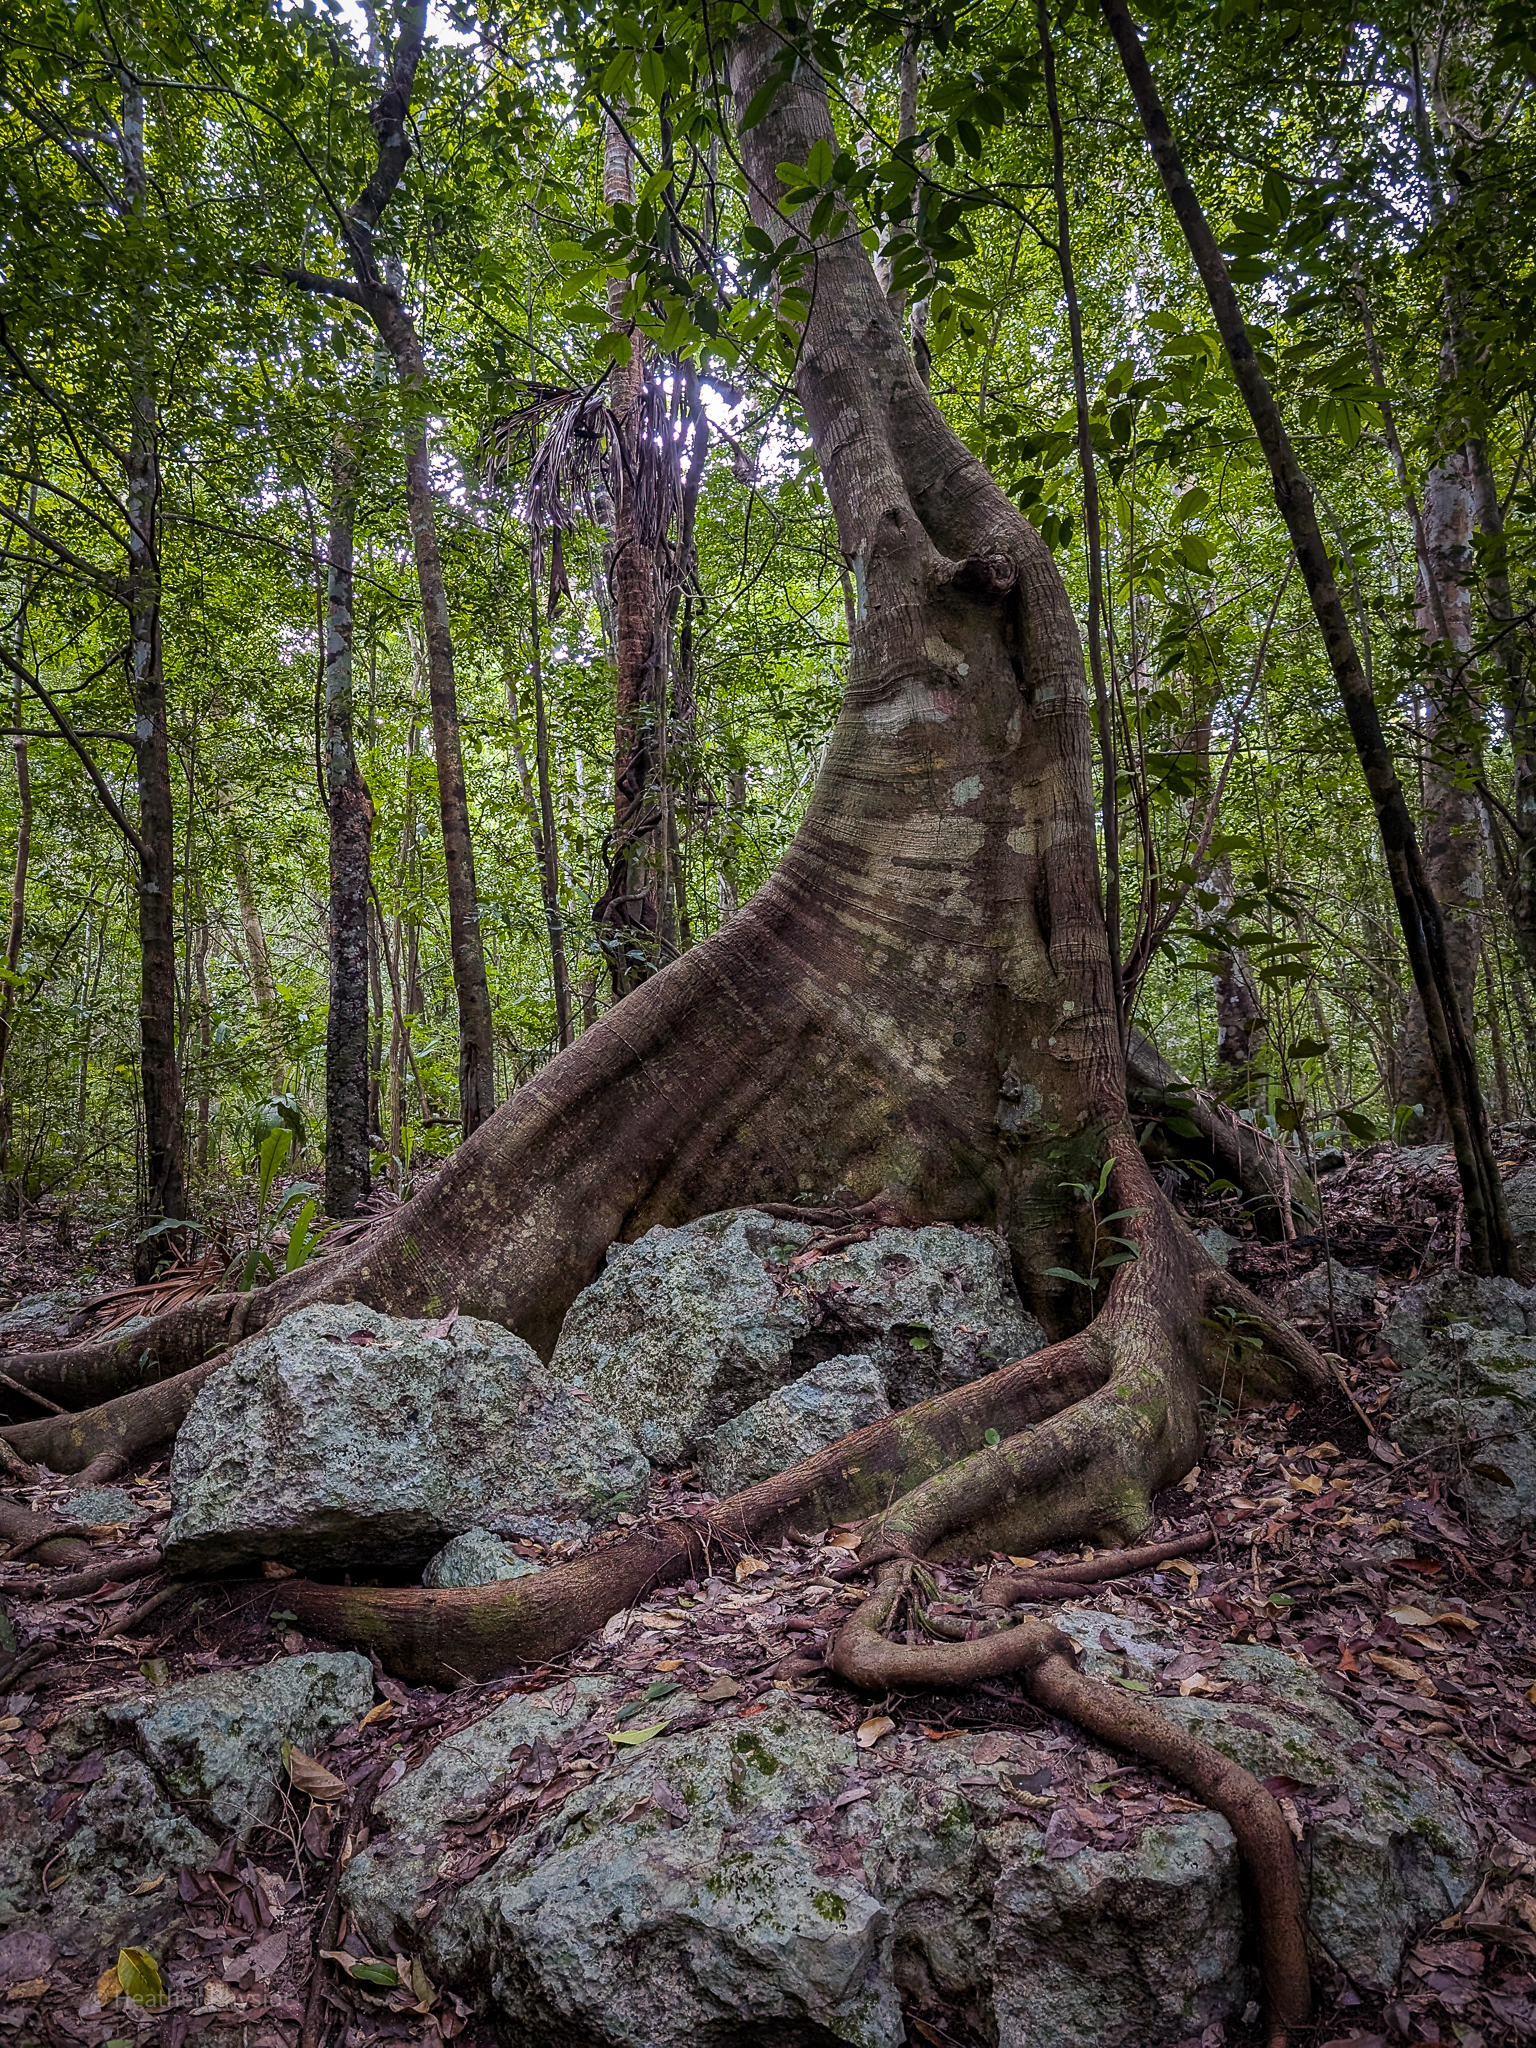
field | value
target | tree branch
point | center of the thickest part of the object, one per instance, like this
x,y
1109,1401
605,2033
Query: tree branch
x,y
109,802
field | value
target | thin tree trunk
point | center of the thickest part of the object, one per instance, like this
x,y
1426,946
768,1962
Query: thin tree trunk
x,y
376,1052
1092,531
350,805
204,1042
1517,867
542,815
269,1013
628,915
379,294
1452,818
1419,913
164,1191
17,927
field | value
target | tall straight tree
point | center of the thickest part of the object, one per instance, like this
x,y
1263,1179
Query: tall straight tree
x,y
164,1192
1419,912
629,914
349,804
378,289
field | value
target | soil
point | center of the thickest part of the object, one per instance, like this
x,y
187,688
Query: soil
x,y
1330,1546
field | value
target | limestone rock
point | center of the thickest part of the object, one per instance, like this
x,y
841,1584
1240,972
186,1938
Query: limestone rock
x,y
1354,1290
718,1883
688,1327
128,1831
97,1507
216,1741
475,1559
342,1437
829,1402
1467,1393
1219,1244
1520,1195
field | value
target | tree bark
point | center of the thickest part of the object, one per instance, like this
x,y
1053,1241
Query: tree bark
x,y
350,805
164,1190
1419,912
9,1195
628,915
1452,819
1511,643
269,1016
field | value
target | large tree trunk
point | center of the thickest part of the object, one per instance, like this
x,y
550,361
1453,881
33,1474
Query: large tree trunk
x,y
164,1190
351,841
914,1014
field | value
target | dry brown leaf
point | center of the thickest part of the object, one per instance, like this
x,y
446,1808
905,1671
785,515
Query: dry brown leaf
x,y
1400,1667
870,1731
33,1988
146,1885
669,1663
315,1779
722,1689
271,1569
376,1714
108,1986
1411,1617
9,1722
1025,1562
746,1566
1311,1484
1190,1571
219,1996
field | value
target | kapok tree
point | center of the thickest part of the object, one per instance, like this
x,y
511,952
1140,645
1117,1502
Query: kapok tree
x,y
912,1022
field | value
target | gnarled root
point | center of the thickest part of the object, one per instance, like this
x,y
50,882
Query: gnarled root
x,y
120,1430
1045,1659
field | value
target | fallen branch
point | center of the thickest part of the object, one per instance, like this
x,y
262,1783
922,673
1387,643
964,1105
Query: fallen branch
x,y
78,1584
133,1423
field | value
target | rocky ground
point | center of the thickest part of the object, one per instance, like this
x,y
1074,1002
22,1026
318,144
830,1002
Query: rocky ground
x,y
687,1831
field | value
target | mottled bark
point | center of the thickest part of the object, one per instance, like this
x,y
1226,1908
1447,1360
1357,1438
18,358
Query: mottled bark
x,y
350,806
1512,666
9,1195
269,1016
1452,822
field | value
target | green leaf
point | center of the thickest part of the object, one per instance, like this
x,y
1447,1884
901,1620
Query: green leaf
x,y
1359,1126
369,1972
992,1439
631,1738
139,1975
1066,1273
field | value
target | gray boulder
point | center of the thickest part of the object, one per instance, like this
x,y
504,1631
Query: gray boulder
x,y
475,1559
122,1831
345,1437
1354,1290
217,1741
1467,1393
688,1327
729,1879
97,1507
822,1406
1520,1194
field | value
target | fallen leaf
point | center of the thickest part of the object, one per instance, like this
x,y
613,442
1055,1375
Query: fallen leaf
x,y
271,1569
722,1689
665,1623
1322,1451
631,1738
1025,1562
1190,1571
139,1975
993,1747
1400,1667
315,1779
1530,1698
219,1996
422,1985
8,1722
746,1566
941,1734
616,1625
33,1988
669,1664
845,1539
372,1971
108,1986
1191,1479
381,1712
870,1731
1311,1484
146,1885
1450,1620
1411,1617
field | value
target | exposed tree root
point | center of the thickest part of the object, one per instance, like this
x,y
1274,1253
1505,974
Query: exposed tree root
x,y
119,1429
42,1537
78,1584
1062,1581
1045,1659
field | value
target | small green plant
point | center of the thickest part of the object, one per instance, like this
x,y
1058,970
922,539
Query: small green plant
x,y
1120,1249
299,1204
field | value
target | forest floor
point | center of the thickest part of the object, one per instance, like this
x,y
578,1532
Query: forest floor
x,y
1431,1648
